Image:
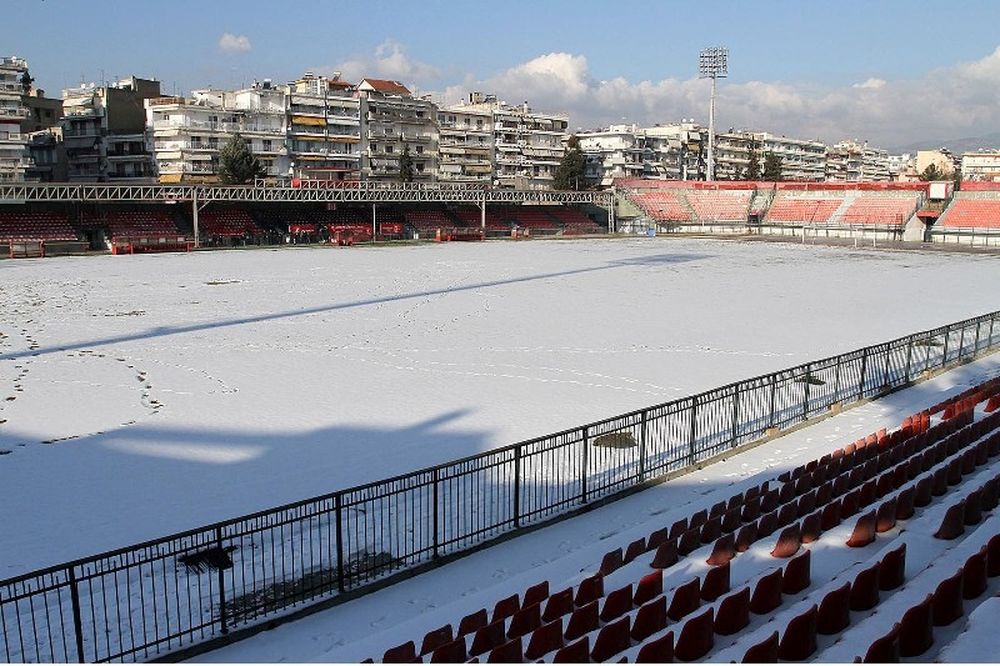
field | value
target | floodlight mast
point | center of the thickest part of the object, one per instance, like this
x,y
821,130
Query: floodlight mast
x,y
713,63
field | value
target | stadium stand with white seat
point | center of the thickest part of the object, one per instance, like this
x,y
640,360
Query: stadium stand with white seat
x,y
810,564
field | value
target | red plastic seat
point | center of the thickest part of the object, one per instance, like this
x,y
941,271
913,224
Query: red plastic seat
x,y
473,622
489,637
583,621
689,541
617,603
574,653
884,650
974,575
510,652
660,651
796,575
451,653
864,589
590,588
734,613
436,639
953,523
649,587
666,555
525,621
635,549
697,637
505,608
864,531
892,568
767,593
973,514
723,550
765,652
916,629
545,639
946,606
789,542
559,604
613,639
401,654
611,562
799,640
716,582
745,537
885,516
686,599
834,613
536,594
649,619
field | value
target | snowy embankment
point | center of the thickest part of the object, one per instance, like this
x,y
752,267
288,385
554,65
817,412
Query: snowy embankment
x,y
566,553
151,394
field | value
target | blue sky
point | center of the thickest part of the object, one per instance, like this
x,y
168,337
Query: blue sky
x,y
786,57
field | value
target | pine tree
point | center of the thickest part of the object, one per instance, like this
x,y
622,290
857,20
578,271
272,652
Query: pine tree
x,y
237,163
752,171
772,167
570,172
406,172
932,172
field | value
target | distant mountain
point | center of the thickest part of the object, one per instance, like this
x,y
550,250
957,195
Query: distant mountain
x,y
958,146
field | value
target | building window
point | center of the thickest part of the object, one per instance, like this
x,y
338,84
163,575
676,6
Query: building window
x,y
388,149
374,147
420,150
267,145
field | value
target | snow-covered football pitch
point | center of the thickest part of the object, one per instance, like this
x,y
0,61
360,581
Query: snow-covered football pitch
x,y
145,395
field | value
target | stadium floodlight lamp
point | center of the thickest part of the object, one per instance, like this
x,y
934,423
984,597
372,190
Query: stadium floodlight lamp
x,y
713,63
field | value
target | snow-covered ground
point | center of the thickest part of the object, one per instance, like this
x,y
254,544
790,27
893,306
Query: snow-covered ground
x,y
569,551
150,394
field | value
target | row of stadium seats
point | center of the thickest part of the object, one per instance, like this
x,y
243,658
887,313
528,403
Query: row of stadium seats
x,y
813,568
35,226
972,213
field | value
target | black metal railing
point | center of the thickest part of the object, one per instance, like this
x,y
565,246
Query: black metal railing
x,y
151,598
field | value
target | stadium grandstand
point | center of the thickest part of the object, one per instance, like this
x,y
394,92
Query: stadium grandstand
x,y
880,210
973,216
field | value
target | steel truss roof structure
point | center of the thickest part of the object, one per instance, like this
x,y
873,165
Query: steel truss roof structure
x,y
16,193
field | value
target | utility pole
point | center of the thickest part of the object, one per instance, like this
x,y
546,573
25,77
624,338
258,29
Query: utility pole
x,y
713,63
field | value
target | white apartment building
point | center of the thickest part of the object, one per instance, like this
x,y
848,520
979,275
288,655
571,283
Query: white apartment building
x,y
13,144
395,121
323,128
186,134
678,150
465,145
618,151
851,162
528,145
981,165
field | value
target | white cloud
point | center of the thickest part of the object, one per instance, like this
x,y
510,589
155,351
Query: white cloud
x,y
870,84
389,60
230,43
953,101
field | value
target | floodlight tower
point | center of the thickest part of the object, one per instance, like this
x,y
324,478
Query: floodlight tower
x,y
713,63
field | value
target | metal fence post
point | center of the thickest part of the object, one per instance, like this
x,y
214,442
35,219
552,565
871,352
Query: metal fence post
x,y
961,343
947,337
434,494
805,393
694,429
222,586
642,446
975,348
774,391
888,365
338,503
583,469
864,370
734,437
992,319
909,358
74,595
517,486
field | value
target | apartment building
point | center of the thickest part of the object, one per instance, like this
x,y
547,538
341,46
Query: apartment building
x,y
187,133
618,151
981,165
851,162
465,145
14,157
394,121
104,131
323,128
678,150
